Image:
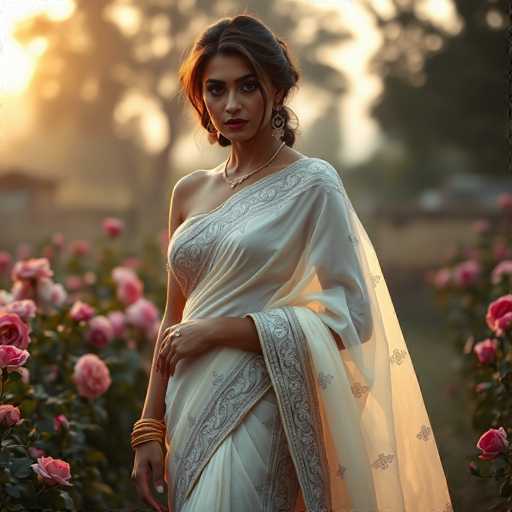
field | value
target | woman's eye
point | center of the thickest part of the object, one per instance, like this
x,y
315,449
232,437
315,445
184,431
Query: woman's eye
x,y
248,87
252,85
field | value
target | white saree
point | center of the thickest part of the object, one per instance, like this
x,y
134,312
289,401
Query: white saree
x,y
307,425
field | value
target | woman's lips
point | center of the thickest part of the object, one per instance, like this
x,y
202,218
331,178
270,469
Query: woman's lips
x,y
237,126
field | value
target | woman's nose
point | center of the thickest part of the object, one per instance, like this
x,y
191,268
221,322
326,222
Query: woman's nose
x,y
232,102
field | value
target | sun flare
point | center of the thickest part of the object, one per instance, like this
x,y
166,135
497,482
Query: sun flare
x,y
17,61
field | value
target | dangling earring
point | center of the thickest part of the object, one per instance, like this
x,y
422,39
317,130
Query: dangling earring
x,y
212,132
278,121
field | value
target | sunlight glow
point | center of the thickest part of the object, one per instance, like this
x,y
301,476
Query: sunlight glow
x,y
17,62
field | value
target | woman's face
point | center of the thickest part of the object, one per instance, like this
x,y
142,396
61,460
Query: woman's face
x,y
231,90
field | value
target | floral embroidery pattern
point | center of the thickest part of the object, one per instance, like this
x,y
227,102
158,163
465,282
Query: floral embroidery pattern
x,y
398,356
359,390
190,250
284,346
325,379
383,461
424,433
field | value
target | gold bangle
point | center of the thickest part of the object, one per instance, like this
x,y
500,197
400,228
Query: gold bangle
x,y
146,438
149,421
138,428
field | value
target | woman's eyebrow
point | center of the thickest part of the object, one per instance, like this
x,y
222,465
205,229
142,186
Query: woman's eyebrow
x,y
214,80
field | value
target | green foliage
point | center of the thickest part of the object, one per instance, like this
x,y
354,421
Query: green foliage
x,y
96,441
469,287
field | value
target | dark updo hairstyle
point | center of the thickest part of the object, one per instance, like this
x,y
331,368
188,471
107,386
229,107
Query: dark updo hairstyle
x,y
266,54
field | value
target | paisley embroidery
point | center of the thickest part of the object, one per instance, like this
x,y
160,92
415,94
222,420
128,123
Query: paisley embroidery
x,y
281,488
286,354
239,391
190,249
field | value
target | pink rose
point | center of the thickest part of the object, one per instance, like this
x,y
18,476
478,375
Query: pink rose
x,y
34,268
25,309
24,372
486,350
10,415
492,443
113,226
129,290
11,356
13,330
100,331
73,283
442,278
119,274
79,247
5,261
36,452
52,471
81,311
50,293
505,201
500,250
89,278
499,314
22,290
142,314
45,290
91,376
502,268
117,321
482,386
466,273
481,226
59,422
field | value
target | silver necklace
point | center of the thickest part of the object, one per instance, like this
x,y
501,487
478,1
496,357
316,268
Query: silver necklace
x,y
239,180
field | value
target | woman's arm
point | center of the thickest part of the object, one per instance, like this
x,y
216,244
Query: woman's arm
x,y
154,405
241,333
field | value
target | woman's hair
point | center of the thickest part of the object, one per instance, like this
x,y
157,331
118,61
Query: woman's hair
x,y
266,54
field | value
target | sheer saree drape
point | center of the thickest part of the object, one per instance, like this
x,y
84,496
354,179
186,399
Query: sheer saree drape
x,y
289,252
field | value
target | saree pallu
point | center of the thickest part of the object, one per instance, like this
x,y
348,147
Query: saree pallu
x,y
309,424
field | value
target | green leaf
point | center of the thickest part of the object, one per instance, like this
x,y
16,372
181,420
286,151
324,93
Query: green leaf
x,y
13,490
102,487
66,501
20,467
95,456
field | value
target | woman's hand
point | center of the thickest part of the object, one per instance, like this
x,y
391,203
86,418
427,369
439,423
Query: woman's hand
x,y
197,337
148,470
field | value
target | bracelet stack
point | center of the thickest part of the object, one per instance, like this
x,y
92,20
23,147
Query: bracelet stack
x,y
147,429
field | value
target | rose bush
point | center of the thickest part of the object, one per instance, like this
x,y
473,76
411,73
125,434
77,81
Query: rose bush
x,y
474,288
73,363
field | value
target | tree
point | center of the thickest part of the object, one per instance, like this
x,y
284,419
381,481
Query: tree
x,y
91,63
444,90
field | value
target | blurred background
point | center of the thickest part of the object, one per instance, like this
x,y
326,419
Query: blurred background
x,y
407,99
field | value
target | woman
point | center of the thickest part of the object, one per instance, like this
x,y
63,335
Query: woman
x,y
280,379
